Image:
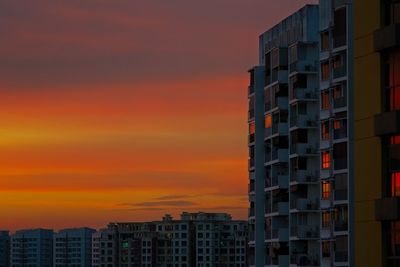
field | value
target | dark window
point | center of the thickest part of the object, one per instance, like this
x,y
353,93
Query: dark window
x,y
325,41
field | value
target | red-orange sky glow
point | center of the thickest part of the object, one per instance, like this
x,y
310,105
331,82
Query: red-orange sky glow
x,y
125,110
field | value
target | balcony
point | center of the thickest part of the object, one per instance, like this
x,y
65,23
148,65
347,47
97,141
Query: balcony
x,y
304,149
280,128
341,256
387,123
280,155
303,176
282,234
251,212
268,234
298,259
251,138
340,164
303,94
387,209
387,37
304,204
280,261
251,163
339,72
280,181
280,102
340,195
304,121
339,40
251,188
340,133
302,66
304,232
341,226
340,102
251,114
282,208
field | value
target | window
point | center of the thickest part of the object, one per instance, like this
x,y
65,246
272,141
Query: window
x,y
267,99
326,190
252,128
395,186
392,9
325,130
325,41
392,80
293,53
326,249
337,62
268,121
325,103
337,92
325,71
326,159
326,219
394,243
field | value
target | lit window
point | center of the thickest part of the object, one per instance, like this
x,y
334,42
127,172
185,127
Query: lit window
x,y
325,41
326,219
395,140
325,130
325,103
395,187
393,81
326,190
326,161
326,249
268,121
337,92
252,128
325,71
337,62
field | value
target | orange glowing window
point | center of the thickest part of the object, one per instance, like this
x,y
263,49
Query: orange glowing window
x,y
337,124
268,121
252,128
395,188
325,130
326,190
326,160
326,219
325,71
325,103
394,80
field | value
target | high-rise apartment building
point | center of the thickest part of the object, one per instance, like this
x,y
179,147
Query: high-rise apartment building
x,y
377,132
300,157
197,239
4,249
73,247
32,248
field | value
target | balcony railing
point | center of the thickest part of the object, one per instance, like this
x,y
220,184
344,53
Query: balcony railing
x,y
341,256
340,164
340,102
304,260
340,133
251,187
303,176
339,40
251,138
339,72
304,204
303,121
341,226
304,232
251,212
251,163
340,194
250,90
251,114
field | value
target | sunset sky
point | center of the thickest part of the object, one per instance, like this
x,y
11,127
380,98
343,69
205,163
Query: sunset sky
x,y
124,110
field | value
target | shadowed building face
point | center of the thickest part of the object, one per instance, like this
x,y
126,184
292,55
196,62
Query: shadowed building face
x,y
122,111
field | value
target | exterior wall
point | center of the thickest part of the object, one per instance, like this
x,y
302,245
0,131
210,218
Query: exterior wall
x,y
32,248
73,247
4,249
367,147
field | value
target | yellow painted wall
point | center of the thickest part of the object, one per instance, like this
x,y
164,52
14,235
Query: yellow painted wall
x,y
367,148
